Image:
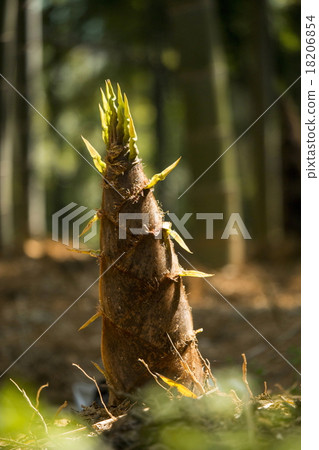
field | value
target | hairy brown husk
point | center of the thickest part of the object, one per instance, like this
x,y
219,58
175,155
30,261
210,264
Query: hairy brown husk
x,y
142,298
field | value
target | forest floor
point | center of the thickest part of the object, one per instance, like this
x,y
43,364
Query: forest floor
x,y
38,287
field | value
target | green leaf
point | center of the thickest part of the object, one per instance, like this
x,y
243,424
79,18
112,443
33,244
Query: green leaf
x,y
109,86
89,225
99,164
126,126
167,226
119,96
161,176
194,273
93,253
120,115
104,101
103,118
107,90
181,389
133,139
99,368
91,320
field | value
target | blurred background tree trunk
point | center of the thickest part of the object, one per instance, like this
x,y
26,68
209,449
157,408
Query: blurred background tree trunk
x,y
204,83
35,95
266,205
8,62
22,190
15,126
21,134
159,103
291,170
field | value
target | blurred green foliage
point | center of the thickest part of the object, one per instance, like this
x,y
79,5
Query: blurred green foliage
x,y
218,421
225,419
20,426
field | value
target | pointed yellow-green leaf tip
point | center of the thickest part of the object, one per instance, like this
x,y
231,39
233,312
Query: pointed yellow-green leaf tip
x,y
112,94
120,119
194,273
99,369
167,226
161,176
107,90
132,140
103,118
119,95
126,118
117,122
126,108
89,225
99,164
130,135
104,101
133,134
91,320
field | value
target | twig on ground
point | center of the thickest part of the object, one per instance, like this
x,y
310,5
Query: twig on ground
x,y
207,366
38,394
32,406
244,369
64,405
105,425
98,389
235,396
37,401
